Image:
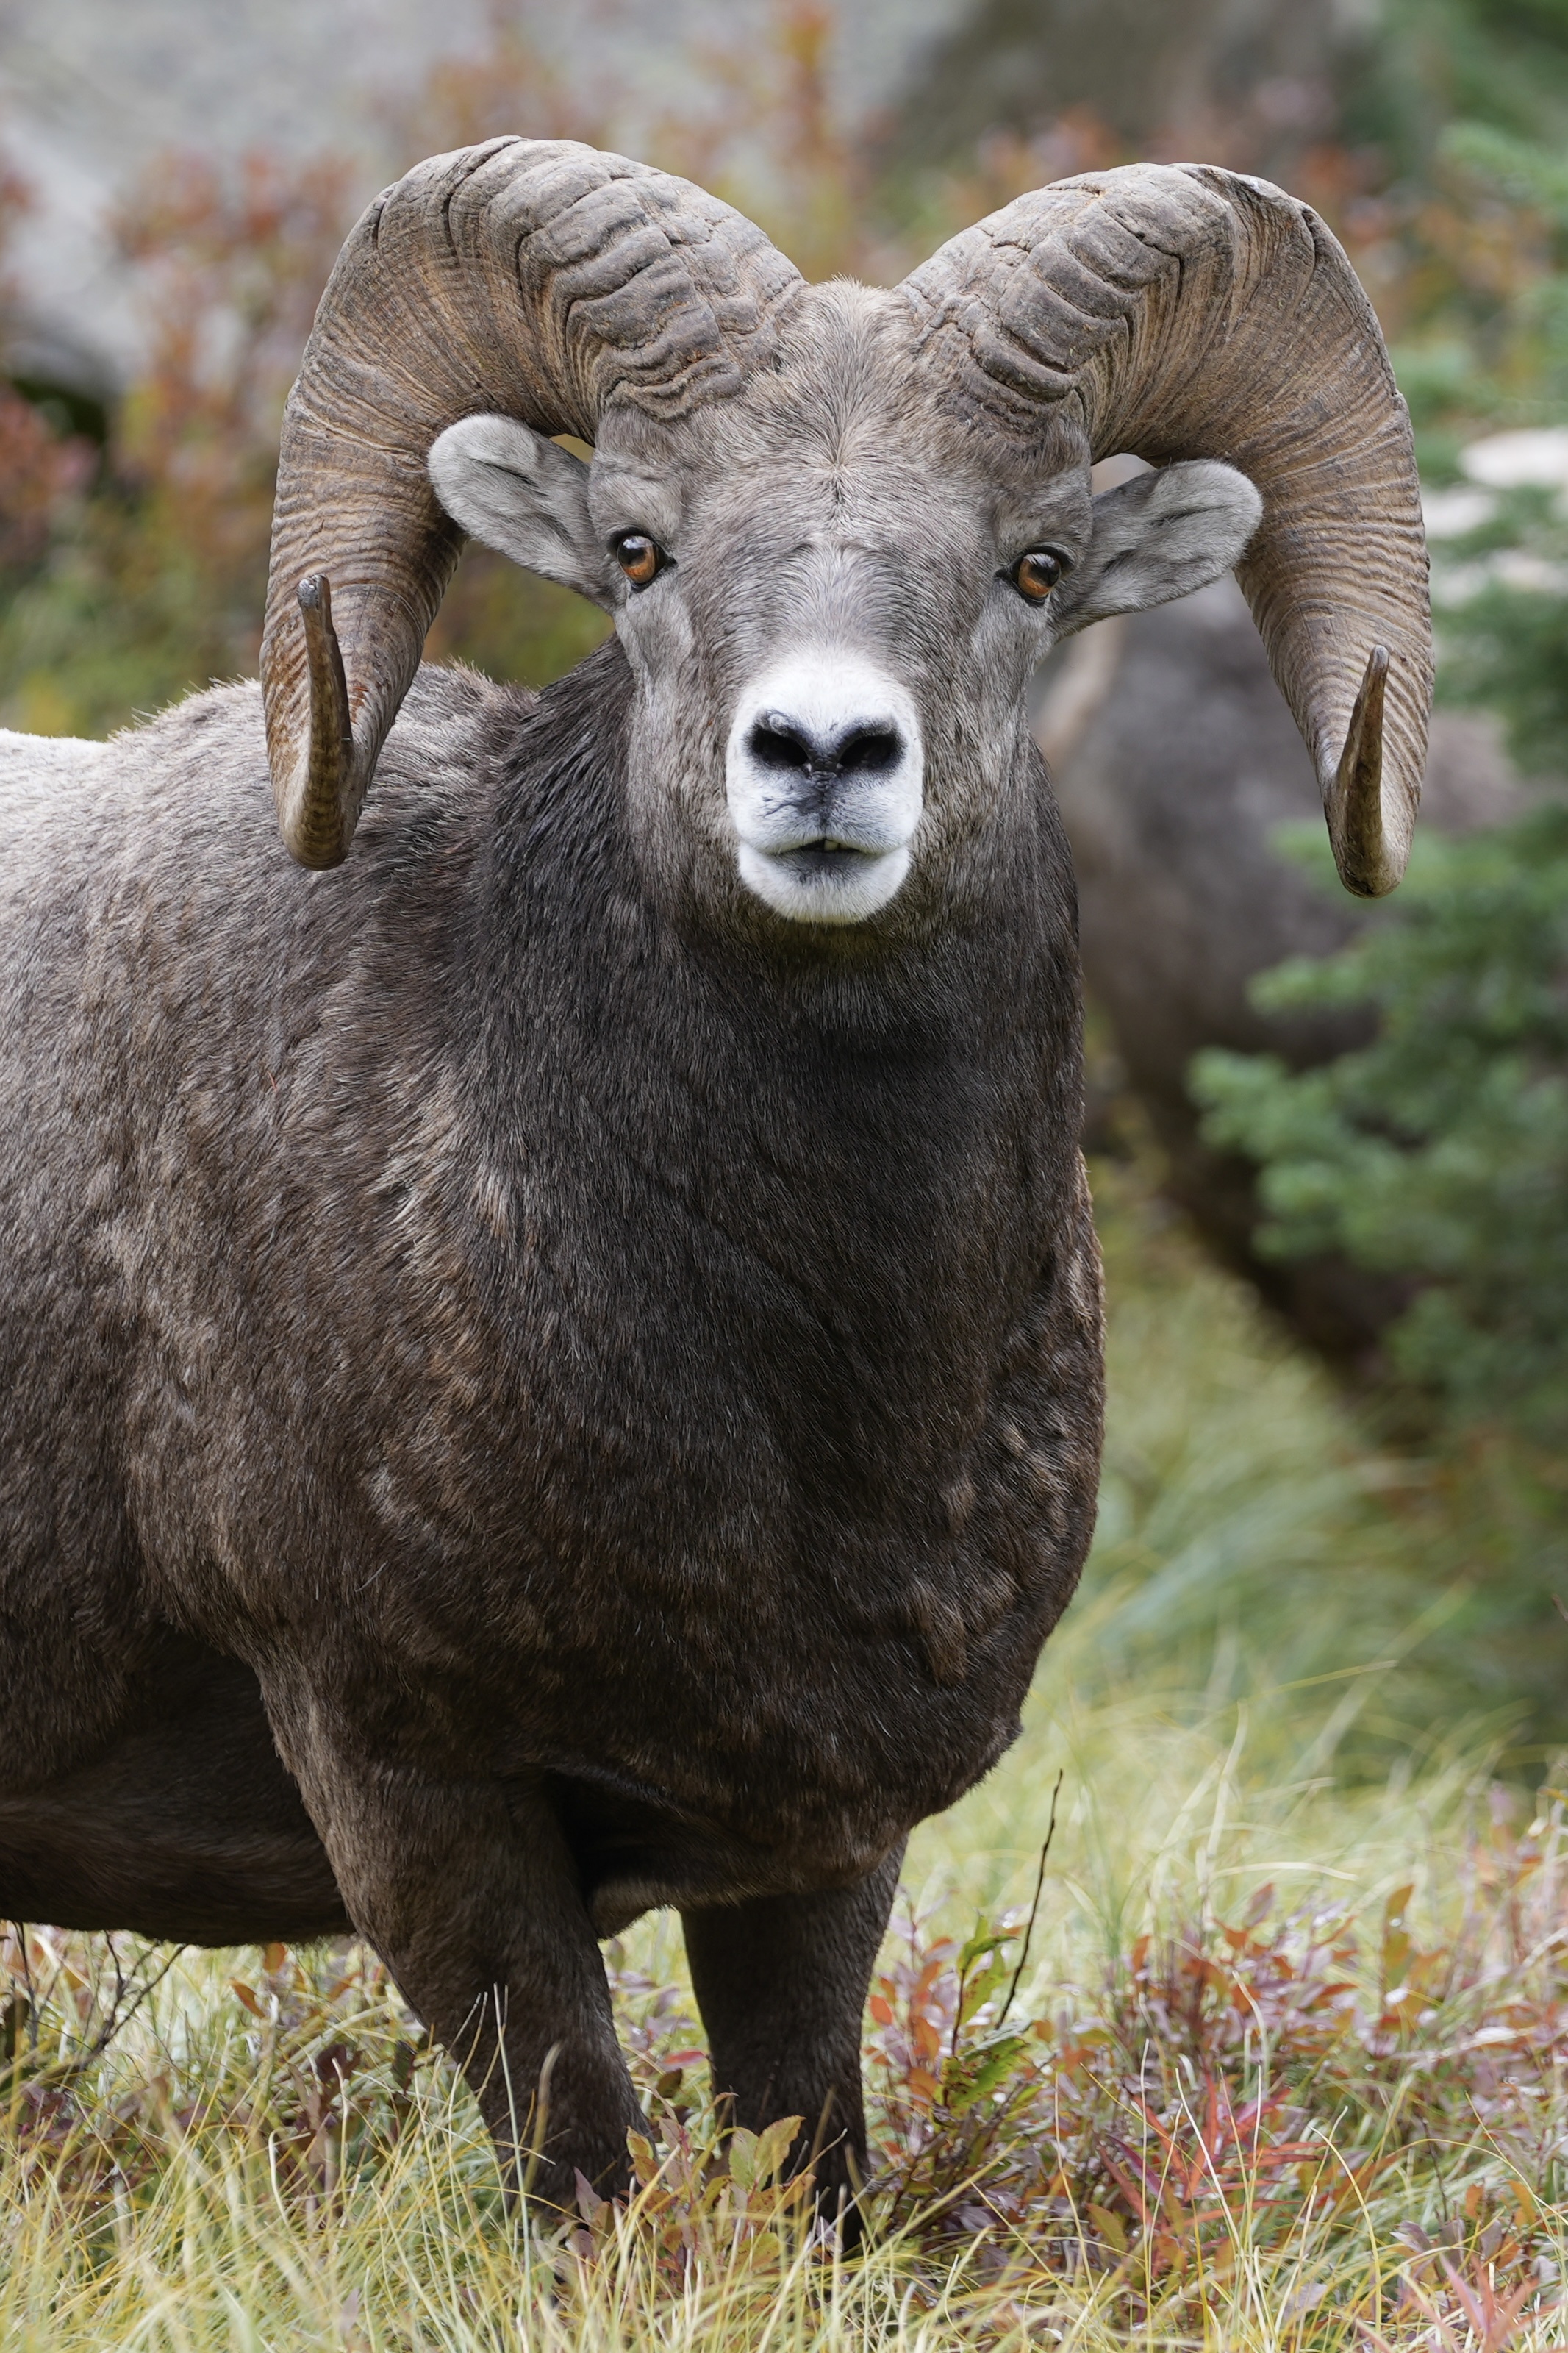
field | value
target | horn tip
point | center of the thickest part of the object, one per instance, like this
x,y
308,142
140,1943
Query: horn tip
x,y
317,792
315,857
1370,863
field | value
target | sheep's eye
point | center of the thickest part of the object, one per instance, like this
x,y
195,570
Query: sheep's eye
x,y
1035,574
640,558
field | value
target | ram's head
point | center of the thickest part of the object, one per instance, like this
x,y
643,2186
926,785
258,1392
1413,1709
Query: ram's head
x,y
837,527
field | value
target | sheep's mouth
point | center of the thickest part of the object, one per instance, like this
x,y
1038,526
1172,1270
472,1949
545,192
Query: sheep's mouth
x,y
825,881
826,857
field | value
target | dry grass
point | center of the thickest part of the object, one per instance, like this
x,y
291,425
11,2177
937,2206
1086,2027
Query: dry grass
x,y
1285,2069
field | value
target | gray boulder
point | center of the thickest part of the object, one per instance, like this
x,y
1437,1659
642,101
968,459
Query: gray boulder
x,y
1176,763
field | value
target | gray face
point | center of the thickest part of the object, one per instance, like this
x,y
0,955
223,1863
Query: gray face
x,y
831,596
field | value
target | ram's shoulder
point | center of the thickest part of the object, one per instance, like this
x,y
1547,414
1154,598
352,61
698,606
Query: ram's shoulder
x,y
451,715
193,783
219,728
452,722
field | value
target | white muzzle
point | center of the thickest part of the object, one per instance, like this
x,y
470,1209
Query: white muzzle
x,y
822,774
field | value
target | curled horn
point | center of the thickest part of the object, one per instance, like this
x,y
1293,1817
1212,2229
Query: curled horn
x,y
1189,312
536,277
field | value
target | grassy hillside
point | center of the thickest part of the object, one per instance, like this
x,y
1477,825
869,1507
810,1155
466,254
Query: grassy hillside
x,y
1281,2066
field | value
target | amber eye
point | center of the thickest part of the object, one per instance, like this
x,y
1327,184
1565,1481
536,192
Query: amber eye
x,y
639,557
1035,574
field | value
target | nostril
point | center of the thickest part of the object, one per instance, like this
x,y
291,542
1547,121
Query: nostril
x,y
776,743
871,749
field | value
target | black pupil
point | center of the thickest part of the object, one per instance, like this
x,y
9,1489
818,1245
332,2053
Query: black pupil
x,y
637,554
1040,570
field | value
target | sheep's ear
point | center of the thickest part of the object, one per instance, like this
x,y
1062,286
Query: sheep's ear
x,y
526,496
1158,536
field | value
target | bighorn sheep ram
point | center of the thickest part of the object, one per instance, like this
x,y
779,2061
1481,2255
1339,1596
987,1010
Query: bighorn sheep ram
x,y
553,1364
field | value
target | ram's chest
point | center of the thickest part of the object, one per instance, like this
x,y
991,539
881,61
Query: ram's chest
x,y
667,1403
771,1539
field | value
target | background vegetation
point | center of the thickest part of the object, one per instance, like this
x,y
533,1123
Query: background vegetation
x,y
1283,2062
1439,1155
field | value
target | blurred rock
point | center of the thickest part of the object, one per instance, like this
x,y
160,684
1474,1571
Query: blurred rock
x,y
93,91
1245,82
1176,762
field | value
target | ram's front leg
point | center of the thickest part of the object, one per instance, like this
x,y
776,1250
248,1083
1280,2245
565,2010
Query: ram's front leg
x,y
781,1982
470,1895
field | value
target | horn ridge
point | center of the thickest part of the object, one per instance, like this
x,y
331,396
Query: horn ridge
x,y
1183,311
538,278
